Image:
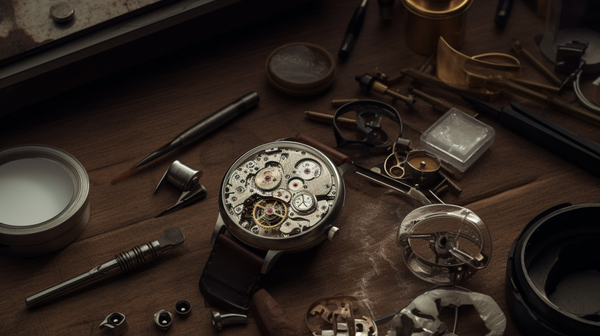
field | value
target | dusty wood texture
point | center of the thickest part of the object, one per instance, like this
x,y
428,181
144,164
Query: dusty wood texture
x,y
112,124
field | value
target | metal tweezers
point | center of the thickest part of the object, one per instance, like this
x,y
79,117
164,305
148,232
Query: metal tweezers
x,y
545,133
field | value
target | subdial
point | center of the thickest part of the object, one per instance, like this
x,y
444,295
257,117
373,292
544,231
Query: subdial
x,y
308,169
268,178
296,184
304,202
269,212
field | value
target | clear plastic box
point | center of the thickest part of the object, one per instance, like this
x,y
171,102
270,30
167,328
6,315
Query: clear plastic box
x,y
457,139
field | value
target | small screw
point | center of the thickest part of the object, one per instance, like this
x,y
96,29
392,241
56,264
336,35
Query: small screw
x,y
62,12
318,116
341,102
441,190
446,170
440,185
453,186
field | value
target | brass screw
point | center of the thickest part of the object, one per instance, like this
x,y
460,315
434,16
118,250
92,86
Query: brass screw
x,y
342,102
453,186
446,170
441,190
318,116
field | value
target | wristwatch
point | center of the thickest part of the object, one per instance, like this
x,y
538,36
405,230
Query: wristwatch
x,y
279,197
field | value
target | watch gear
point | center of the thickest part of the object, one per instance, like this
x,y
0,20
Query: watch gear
x,y
279,190
269,213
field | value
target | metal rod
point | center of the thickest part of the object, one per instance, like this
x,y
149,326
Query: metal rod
x,y
519,49
125,262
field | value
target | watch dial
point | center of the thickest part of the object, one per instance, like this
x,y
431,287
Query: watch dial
x,y
279,192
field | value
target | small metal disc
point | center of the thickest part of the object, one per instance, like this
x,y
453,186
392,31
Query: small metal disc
x,y
62,12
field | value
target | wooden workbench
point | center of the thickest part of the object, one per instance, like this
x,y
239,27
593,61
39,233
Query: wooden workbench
x,y
111,124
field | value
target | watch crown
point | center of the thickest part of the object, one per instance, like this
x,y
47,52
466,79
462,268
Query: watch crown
x,y
332,233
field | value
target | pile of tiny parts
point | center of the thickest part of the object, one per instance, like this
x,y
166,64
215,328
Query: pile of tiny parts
x,y
335,316
421,316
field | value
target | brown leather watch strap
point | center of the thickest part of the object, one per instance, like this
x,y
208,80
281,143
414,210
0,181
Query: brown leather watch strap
x,y
335,156
231,276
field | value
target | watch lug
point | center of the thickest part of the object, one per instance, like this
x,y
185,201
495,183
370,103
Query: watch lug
x,y
219,226
270,259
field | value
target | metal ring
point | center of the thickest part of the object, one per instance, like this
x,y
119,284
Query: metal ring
x,y
552,273
460,242
25,239
163,319
367,106
183,308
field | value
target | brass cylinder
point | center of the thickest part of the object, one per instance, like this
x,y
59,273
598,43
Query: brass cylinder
x,y
427,20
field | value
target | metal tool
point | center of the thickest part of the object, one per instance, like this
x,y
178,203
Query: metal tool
x,y
186,179
163,319
353,30
114,324
545,133
503,12
520,50
550,100
444,244
387,182
219,321
368,82
347,166
198,130
124,262
433,81
379,123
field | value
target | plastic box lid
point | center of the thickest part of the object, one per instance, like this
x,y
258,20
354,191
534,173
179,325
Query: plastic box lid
x,y
458,139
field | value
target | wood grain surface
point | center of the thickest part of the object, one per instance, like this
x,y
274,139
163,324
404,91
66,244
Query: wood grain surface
x,y
110,125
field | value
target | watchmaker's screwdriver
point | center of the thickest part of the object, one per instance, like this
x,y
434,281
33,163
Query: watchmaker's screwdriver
x,y
369,82
124,263
198,130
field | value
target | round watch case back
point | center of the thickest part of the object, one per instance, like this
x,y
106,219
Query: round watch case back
x,y
256,197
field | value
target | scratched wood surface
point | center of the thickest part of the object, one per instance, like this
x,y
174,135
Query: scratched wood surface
x,y
112,124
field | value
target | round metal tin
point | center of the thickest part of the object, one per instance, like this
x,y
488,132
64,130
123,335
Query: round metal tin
x,y
301,69
31,236
427,20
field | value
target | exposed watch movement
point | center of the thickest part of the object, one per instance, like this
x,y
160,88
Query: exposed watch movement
x,y
281,195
